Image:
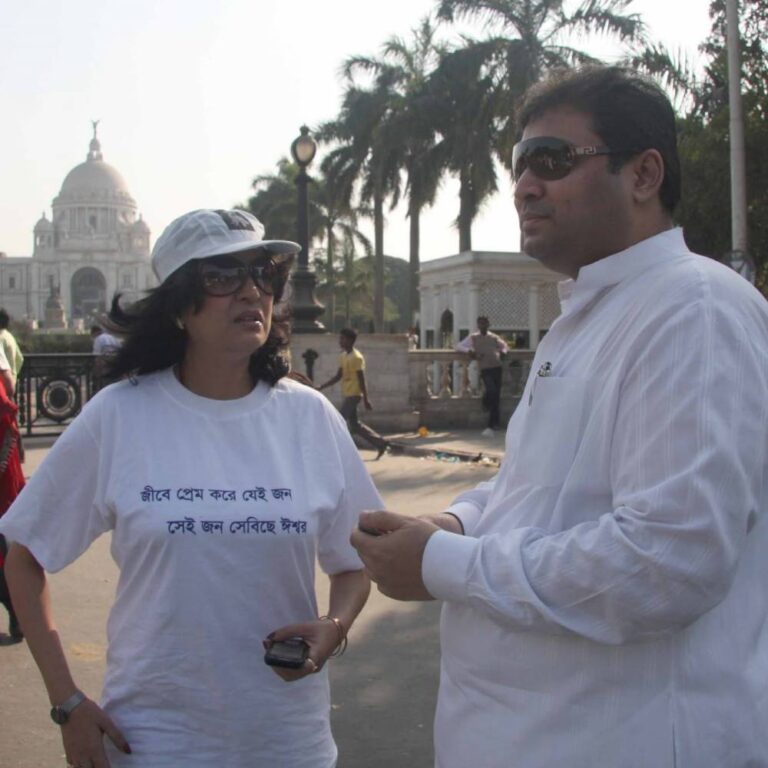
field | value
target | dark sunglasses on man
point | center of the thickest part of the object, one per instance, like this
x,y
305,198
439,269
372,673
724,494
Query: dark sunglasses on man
x,y
225,275
550,159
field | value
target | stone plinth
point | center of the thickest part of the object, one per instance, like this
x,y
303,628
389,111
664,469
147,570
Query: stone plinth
x,y
386,373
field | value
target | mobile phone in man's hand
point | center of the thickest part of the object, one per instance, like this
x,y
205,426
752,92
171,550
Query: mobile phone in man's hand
x,y
370,531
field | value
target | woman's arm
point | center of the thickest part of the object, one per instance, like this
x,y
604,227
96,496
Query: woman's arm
x,y
349,591
83,733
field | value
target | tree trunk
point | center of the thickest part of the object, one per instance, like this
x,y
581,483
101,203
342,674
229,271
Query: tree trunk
x,y
331,307
466,212
413,287
378,263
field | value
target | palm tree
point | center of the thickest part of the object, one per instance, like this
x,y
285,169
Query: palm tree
x,y
462,98
363,157
528,42
275,202
344,277
341,238
410,126
330,218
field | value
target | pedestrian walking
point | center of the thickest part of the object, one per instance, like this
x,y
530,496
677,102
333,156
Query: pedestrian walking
x,y
351,373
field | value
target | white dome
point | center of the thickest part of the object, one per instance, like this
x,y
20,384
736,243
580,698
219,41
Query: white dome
x,y
94,180
44,225
94,176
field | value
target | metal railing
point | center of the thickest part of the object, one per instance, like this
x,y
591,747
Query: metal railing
x,y
52,389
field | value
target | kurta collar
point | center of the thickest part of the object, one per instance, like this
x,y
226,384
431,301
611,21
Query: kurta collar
x,y
620,266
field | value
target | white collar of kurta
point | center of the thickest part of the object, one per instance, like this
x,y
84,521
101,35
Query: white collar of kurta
x,y
620,266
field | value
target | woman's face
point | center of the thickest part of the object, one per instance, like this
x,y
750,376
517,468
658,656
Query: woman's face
x,y
236,315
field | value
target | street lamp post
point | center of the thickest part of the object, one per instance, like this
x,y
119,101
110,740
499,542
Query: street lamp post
x,y
306,308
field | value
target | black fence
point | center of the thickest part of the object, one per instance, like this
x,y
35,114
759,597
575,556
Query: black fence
x,y
52,389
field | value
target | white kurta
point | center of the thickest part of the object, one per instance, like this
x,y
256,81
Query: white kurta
x,y
608,604
218,511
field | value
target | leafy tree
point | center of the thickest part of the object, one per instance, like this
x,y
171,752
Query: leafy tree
x,y
705,210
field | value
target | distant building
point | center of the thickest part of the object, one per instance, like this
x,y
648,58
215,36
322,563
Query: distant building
x,y
515,292
93,246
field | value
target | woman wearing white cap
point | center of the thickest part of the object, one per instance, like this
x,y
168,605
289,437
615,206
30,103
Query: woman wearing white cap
x,y
222,482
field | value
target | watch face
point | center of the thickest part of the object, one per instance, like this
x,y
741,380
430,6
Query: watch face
x,y
59,715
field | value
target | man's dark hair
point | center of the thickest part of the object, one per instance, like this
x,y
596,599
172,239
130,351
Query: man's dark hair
x,y
628,111
350,333
96,330
154,341
4,318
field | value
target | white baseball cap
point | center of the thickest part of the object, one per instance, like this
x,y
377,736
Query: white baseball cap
x,y
204,233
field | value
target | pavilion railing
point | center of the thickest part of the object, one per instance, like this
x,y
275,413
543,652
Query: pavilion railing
x,y
445,386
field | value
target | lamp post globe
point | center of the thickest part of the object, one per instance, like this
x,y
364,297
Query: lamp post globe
x,y
306,308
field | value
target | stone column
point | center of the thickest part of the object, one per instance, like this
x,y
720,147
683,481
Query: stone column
x,y
534,330
474,312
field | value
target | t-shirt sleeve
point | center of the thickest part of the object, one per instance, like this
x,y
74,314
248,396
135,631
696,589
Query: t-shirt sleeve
x,y
61,510
335,554
4,364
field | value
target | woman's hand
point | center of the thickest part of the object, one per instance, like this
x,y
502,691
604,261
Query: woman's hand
x,y
83,736
322,637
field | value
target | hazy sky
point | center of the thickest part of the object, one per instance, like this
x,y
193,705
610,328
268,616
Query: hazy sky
x,y
196,97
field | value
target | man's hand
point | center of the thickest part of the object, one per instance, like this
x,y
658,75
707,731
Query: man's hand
x,y
367,403
393,559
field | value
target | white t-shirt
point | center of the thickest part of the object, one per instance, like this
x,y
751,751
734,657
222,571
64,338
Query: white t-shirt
x,y
608,605
218,510
4,364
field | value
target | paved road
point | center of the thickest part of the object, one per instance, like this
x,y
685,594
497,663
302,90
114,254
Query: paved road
x,y
383,689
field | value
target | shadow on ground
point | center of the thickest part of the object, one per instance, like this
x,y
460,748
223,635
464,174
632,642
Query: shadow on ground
x,y
384,691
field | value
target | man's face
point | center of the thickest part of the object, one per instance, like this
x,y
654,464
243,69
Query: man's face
x,y
345,342
578,219
482,325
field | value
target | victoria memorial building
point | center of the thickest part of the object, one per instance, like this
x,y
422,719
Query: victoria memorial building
x,y
94,245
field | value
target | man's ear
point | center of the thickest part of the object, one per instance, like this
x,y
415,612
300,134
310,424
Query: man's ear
x,y
647,175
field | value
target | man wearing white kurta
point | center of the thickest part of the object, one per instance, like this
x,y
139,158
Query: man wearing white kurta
x,y
607,603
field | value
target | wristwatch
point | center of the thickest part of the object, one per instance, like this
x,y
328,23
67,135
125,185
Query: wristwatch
x,y
60,714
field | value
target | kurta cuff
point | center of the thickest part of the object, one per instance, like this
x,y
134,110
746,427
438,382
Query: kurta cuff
x,y
468,513
445,565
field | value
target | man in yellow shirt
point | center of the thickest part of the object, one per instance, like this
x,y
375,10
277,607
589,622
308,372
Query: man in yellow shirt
x,y
351,373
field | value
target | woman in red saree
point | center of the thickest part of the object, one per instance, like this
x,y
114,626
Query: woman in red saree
x,y
11,482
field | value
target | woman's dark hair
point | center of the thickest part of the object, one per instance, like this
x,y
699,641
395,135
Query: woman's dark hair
x,y
628,111
154,340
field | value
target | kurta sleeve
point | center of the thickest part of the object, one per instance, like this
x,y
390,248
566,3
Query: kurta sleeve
x,y
687,460
60,511
469,506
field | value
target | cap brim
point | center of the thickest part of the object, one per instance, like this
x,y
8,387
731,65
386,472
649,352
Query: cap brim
x,y
273,247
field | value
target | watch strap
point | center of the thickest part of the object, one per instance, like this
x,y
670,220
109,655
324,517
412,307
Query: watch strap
x,y
61,713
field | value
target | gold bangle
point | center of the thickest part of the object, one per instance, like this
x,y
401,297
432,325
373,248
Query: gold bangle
x,y
341,646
